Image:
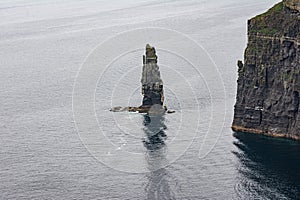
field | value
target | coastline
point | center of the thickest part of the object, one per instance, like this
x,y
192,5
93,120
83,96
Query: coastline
x,y
262,132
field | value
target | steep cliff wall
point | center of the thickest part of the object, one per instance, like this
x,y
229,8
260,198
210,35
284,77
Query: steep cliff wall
x,y
269,82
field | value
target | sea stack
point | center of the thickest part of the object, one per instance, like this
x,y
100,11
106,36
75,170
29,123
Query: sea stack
x,y
267,99
152,87
152,84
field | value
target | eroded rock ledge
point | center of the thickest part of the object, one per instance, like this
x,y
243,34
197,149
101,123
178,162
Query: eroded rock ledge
x,y
269,82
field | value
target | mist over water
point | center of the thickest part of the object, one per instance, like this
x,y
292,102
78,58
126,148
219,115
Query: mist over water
x,y
43,44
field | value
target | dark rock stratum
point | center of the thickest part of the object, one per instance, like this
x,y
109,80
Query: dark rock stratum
x,y
268,90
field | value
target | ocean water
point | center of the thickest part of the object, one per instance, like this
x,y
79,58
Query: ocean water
x,y
65,63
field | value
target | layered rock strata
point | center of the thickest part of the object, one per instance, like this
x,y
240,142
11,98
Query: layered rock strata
x,y
267,99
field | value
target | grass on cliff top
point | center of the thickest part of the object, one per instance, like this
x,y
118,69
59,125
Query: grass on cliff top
x,y
277,8
267,23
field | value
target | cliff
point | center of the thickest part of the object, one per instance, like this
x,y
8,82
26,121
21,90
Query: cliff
x,y
267,99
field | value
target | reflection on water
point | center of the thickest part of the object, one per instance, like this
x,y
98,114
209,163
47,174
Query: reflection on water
x,y
268,167
155,131
159,178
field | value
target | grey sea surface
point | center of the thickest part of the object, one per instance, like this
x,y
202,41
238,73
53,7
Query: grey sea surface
x,y
193,153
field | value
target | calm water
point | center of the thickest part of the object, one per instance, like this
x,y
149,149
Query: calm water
x,y
44,153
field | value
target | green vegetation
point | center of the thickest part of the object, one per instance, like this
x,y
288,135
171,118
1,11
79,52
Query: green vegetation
x,y
265,31
268,23
275,9
268,31
287,77
252,49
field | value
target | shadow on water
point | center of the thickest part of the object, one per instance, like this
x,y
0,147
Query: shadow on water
x,y
158,186
268,167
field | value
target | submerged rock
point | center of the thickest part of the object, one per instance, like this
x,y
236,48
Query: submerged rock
x,y
267,99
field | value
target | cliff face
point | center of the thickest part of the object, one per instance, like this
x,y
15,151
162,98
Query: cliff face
x,y
269,82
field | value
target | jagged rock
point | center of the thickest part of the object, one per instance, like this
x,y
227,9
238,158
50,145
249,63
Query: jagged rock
x,y
267,99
